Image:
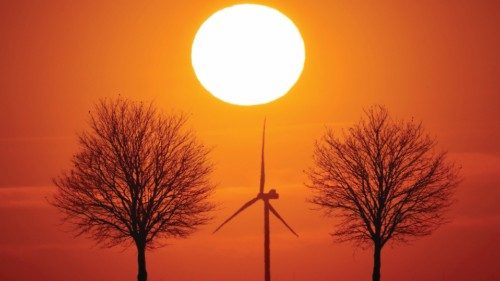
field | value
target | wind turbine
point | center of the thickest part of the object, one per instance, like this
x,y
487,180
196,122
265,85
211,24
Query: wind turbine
x,y
265,197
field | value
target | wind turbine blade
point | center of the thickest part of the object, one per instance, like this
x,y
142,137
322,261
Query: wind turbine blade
x,y
246,205
262,168
281,219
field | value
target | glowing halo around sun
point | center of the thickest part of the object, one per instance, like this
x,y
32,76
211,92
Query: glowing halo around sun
x,y
248,54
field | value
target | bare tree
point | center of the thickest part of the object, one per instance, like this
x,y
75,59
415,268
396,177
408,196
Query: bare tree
x,y
139,177
384,179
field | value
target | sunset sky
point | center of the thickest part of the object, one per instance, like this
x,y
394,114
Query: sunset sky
x,y
435,61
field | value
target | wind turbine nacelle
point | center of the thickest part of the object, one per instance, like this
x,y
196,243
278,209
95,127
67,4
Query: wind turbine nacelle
x,y
272,194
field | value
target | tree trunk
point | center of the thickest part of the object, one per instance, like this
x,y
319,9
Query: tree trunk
x,y
142,274
376,261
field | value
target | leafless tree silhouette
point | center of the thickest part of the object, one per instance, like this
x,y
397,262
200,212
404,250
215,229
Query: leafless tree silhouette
x,y
139,177
384,179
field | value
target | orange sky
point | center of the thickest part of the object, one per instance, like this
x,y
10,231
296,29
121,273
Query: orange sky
x,y
437,61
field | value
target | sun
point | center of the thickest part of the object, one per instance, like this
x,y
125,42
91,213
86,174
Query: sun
x,y
248,54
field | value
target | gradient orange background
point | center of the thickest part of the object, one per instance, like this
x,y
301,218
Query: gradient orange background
x,y
436,61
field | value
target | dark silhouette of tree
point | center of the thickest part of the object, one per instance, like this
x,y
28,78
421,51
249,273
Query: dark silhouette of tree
x,y
139,177
384,179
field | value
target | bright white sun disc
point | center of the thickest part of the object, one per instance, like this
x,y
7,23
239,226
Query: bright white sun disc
x,y
248,54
